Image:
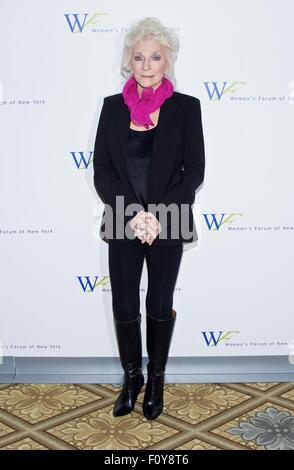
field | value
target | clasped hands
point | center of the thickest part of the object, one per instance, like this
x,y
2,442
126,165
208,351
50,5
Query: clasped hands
x,y
145,226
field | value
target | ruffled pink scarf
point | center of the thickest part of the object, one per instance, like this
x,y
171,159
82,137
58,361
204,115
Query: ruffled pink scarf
x,y
150,100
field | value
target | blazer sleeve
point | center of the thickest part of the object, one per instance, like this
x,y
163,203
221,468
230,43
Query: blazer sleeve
x,y
193,160
106,181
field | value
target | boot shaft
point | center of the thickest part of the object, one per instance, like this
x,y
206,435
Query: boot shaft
x,y
159,335
129,340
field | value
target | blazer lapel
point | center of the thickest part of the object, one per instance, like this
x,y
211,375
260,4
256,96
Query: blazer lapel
x,y
162,155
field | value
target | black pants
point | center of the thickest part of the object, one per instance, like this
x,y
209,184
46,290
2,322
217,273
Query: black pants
x,y
125,270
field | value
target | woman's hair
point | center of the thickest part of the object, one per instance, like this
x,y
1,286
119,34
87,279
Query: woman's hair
x,y
150,28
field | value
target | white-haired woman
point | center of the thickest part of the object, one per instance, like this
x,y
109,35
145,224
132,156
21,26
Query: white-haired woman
x,y
149,152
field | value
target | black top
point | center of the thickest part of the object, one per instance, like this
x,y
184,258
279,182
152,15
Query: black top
x,y
140,145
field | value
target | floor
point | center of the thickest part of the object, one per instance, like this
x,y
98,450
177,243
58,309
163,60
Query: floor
x,y
257,416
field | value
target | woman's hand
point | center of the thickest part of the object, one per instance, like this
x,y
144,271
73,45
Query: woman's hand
x,y
145,226
138,225
153,227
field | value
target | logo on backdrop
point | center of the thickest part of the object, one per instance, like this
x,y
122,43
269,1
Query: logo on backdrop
x,y
212,338
217,90
82,160
215,222
89,283
80,22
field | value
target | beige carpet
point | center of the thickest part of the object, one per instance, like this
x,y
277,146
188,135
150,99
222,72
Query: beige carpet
x,y
196,416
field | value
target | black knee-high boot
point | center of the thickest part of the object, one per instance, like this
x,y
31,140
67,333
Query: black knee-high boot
x,y
129,341
159,334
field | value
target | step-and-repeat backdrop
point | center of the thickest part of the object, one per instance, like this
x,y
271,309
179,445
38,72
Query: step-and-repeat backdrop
x,y
234,292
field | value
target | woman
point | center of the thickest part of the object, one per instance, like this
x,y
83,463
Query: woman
x,y
148,162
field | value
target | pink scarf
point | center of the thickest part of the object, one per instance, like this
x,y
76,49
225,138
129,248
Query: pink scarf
x,y
150,100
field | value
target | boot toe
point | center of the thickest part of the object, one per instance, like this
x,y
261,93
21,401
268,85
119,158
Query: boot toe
x,y
151,412
122,409
127,399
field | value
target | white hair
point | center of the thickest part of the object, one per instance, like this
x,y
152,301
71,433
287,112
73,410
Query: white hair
x,y
150,28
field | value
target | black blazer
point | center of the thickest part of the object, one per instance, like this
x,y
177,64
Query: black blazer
x,y
176,168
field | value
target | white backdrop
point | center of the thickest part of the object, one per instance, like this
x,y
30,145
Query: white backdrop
x,y
234,293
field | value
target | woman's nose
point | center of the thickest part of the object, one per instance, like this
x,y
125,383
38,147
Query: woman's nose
x,y
145,66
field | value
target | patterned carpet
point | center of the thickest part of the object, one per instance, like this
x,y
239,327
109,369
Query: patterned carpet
x,y
257,416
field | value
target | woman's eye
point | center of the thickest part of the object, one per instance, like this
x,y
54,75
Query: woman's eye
x,y
154,58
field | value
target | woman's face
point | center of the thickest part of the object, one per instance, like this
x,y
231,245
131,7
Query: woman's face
x,y
148,63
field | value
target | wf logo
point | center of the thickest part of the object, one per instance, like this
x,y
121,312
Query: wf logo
x,y
212,339
216,91
89,285
81,161
213,223
78,22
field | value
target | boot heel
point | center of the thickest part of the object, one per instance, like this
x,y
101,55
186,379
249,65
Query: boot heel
x,y
127,398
